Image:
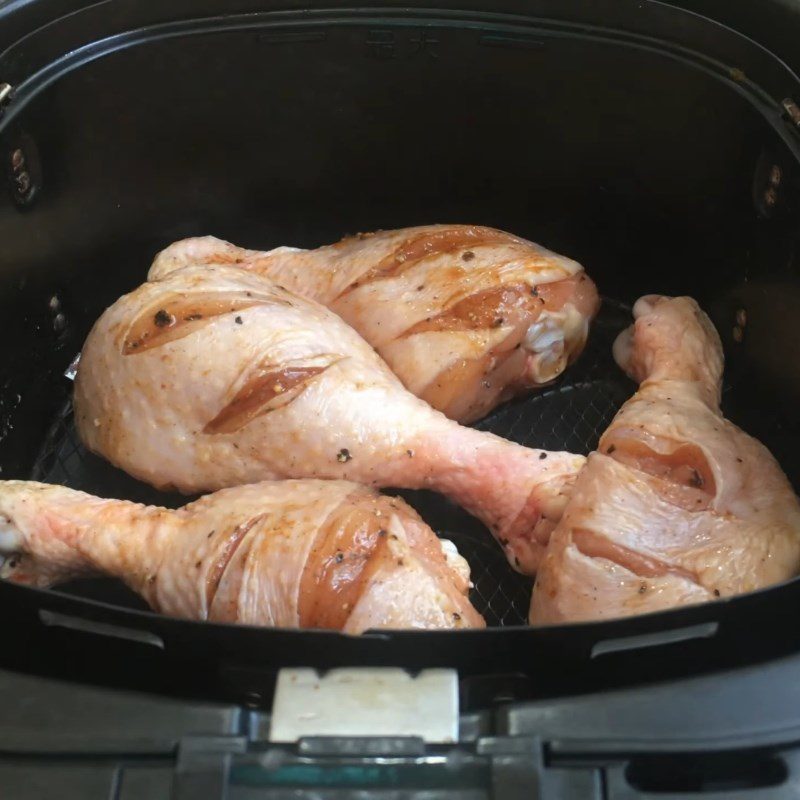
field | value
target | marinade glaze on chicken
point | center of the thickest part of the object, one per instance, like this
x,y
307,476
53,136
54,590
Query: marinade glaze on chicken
x,y
466,316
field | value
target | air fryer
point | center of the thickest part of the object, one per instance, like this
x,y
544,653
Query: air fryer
x,y
658,148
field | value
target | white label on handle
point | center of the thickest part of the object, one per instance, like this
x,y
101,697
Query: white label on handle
x,y
380,701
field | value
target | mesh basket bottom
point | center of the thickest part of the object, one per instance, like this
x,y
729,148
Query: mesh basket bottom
x,y
569,415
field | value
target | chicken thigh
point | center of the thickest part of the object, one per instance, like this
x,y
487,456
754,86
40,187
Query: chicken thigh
x,y
465,316
215,377
677,505
309,554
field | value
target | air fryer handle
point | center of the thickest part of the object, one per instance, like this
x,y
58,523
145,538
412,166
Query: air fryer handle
x,y
703,630
750,778
56,619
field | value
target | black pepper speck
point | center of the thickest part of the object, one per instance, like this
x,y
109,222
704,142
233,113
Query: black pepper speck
x,y
163,318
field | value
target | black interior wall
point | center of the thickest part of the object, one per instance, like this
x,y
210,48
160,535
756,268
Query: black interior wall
x,y
642,167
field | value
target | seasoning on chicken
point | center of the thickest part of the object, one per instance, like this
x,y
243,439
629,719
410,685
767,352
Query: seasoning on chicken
x,y
216,377
465,316
308,554
678,505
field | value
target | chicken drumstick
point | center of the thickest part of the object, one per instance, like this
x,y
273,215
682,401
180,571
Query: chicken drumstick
x,y
216,377
310,554
465,316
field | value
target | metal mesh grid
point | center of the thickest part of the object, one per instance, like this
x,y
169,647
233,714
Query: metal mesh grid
x,y
570,415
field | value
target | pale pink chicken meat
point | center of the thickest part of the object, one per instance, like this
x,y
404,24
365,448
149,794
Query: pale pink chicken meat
x,y
466,316
309,554
678,505
215,377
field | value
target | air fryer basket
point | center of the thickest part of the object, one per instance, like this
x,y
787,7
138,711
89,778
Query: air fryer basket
x,y
571,415
656,147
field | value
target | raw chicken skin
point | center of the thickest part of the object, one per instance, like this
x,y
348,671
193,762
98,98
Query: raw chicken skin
x,y
678,505
215,377
465,316
309,554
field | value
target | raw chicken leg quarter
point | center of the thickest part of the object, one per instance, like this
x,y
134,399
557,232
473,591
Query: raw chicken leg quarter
x,y
678,505
216,377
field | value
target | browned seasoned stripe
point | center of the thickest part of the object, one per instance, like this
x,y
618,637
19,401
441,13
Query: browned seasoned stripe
x,y
424,245
334,575
181,314
594,545
440,241
449,386
510,304
468,389
257,395
503,305
685,476
225,555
